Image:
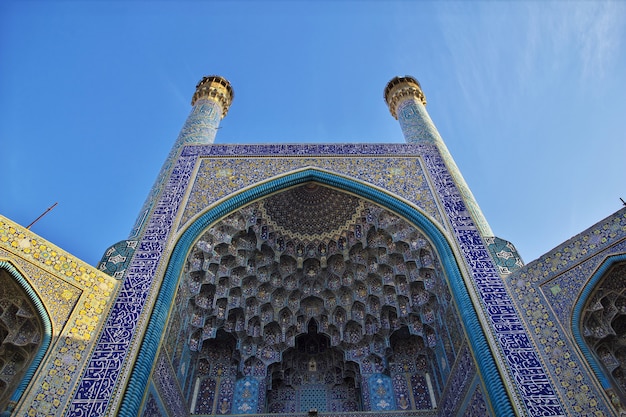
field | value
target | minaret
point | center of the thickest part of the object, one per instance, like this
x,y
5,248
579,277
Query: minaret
x,y
407,104
210,102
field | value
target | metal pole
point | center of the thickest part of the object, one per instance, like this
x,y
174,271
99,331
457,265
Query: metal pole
x,y
42,214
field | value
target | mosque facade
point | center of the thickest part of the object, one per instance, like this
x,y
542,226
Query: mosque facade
x,y
313,279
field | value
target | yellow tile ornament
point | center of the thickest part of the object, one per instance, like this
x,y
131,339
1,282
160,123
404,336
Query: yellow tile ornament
x,y
76,296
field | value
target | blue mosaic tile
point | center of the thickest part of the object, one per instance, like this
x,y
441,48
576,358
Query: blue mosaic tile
x,y
504,255
246,396
365,393
165,382
533,385
206,396
546,291
392,168
117,258
152,408
225,395
418,127
477,406
381,393
97,386
463,372
313,397
419,391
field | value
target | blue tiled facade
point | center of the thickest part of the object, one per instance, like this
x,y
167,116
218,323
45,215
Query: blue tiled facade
x,y
402,300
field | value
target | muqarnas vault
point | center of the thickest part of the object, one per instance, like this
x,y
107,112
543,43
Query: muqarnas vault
x,y
337,279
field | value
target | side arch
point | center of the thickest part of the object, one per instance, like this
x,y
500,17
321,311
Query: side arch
x,y
46,324
578,313
485,361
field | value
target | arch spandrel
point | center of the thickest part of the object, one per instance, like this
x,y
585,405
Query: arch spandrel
x,y
218,179
347,333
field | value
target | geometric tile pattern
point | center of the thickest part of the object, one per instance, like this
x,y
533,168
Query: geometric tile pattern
x,y
504,255
323,208
381,393
228,289
246,396
77,297
165,383
59,295
312,376
117,257
561,272
313,398
380,276
393,167
546,292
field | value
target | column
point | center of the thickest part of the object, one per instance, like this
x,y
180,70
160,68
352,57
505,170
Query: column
x,y
407,104
210,102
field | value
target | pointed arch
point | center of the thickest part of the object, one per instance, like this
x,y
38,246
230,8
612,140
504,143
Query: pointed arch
x,y
482,353
579,309
46,324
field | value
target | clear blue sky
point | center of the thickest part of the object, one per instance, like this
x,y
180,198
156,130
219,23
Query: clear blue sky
x,y
530,98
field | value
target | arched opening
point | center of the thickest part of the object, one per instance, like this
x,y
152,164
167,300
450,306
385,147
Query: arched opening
x,y
603,325
165,321
313,298
313,375
212,365
24,334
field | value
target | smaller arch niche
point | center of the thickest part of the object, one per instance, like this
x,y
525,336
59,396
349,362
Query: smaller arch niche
x,y
412,365
310,372
214,366
21,335
603,323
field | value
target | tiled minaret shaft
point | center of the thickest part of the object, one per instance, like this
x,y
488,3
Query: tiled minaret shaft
x,y
210,102
407,104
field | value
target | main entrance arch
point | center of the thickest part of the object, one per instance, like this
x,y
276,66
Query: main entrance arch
x,y
370,283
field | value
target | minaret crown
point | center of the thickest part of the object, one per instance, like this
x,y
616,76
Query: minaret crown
x,y
216,88
400,89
